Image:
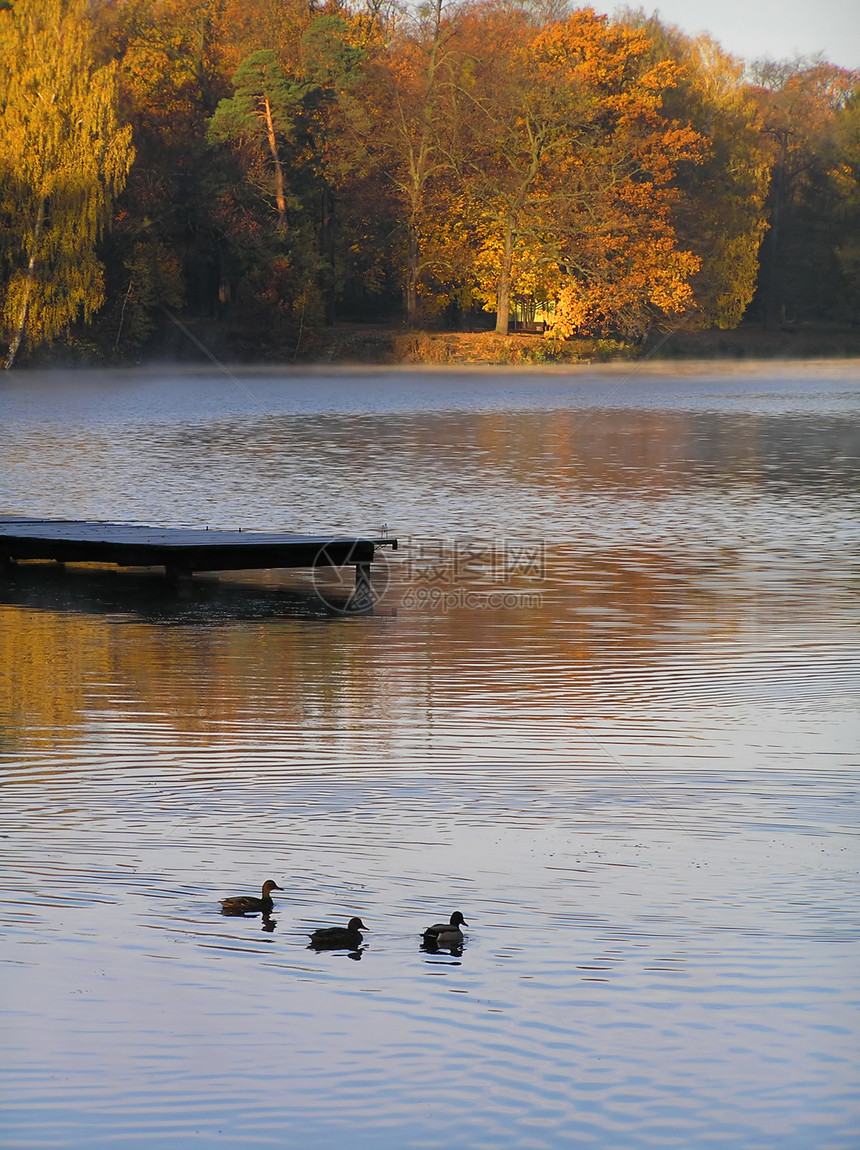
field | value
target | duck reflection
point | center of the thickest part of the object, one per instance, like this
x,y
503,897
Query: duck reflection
x,y
431,946
269,923
356,955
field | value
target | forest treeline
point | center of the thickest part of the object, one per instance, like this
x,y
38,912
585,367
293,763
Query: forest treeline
x,y
279,165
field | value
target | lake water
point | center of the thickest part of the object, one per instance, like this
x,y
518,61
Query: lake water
x,y
606,707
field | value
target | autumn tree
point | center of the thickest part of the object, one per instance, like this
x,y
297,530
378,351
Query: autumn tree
x,y
722,214
845,179
248,26
64,158
801,104
410,126
497,137
566,165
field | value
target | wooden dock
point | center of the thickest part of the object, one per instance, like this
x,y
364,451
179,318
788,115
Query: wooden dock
x,y
182,551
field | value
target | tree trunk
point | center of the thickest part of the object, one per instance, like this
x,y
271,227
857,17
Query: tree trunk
x,y
771,278
412,272
280,198
421,161
24,310
503,306
328,277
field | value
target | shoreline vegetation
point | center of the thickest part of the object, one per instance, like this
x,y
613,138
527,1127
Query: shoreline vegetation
x,y
346,345
383,345
356,344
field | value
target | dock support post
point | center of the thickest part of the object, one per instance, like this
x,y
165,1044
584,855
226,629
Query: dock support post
x,y
179,578
361,600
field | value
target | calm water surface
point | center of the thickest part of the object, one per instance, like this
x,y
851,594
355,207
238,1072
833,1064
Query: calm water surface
x,y
607,707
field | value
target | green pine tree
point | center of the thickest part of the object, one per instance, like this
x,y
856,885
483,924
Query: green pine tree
x,y
263,111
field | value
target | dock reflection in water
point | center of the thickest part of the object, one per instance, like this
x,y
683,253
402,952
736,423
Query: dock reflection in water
x,y
608,706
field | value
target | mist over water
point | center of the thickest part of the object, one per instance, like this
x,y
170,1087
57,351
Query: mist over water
x,y
606,707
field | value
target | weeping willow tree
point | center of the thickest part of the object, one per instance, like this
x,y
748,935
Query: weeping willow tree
x,y
63,159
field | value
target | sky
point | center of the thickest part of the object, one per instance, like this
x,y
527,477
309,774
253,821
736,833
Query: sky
x,y
779,29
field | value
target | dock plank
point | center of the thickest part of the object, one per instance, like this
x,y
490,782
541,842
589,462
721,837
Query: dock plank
x,y
182,549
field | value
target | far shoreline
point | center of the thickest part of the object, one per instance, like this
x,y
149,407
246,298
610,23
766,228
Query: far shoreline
x,y
847,367
361,347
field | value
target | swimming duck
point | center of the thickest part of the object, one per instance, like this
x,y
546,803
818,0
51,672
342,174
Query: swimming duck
x,y
339,937
245,904
446,933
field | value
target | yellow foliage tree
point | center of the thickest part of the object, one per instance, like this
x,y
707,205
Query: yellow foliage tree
x,y
63,158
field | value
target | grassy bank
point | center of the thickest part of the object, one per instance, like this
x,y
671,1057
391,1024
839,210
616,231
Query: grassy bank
x,y
356,344
378,345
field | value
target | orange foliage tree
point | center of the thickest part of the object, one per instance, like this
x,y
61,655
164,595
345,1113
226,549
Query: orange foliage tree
x,y
565,165
722,212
